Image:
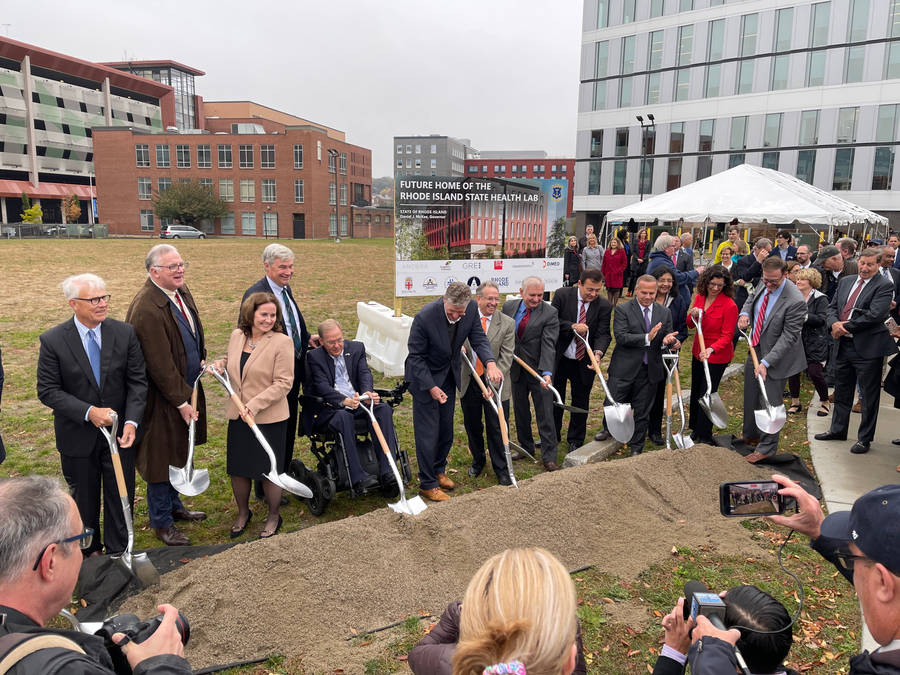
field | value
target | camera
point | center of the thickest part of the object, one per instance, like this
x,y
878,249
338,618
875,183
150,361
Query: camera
x,y
748,499
136,631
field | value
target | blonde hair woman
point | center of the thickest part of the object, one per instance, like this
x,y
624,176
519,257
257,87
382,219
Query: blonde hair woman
x,y
518,615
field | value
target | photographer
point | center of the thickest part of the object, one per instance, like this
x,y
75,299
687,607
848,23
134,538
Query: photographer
x,y
746,606
864,545
40,535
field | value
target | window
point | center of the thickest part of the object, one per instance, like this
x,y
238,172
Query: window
x,y
270,224
676,137
846,130
332,225
343,224
409,149
887,123
204,157
145,188
597,143
784,20
163,184
818,24
434,164
653,80
602,13
656,8
332,160
806,165
815,69
685,5
142,153
738,133
854,61
601,60
884,168
809,127
267,157
843,169
685,45
646,175
248,190
433,149
298,191
780,68
673,177
749,23
621,142
267,186
736,159
183,156
248,223
892,49
707,128
627,55
683,84
772,132
715,42
162,157
515,168
594,178
298,157
224,156
625,89
713,83
226,224
656,50
146,220
245,155
343,194
628,11
399,148
599,95
620,168
859,19
745,77
226,189
342,162
332,193
770,160
418,149
704,167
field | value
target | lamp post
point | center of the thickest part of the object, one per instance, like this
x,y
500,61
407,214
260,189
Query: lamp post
x,y
651,124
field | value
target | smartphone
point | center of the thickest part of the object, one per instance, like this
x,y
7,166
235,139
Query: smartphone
x,y
891,324
746,499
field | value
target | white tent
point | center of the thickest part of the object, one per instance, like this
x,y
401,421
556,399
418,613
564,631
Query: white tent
x,y
752,195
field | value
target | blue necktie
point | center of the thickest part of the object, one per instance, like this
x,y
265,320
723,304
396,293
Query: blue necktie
x,y
93,350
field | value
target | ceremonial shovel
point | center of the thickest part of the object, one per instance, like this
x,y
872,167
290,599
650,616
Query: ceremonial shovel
x,y
412,506
497,405
187,481
558,402
679,440
282,480
771,418
136,563
711,402
619,416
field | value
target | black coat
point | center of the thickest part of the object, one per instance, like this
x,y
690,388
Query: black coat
x,y
572,266
816,342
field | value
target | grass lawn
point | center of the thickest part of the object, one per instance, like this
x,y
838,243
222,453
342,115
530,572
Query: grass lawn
x,y
620,616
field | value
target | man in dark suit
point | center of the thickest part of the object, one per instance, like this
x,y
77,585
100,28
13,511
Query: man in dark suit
x,y
748,270
783,247
580,309
90,367
583,241
894,242
847,246
856,318
278,263
500,331
167,324
774,317
432,369
642,327
684,258
339,374
537,329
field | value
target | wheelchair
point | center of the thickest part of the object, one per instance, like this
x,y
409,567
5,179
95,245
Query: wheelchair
x,y
332,473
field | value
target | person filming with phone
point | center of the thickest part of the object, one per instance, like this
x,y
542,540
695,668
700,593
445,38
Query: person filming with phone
x,y
40,536
864,545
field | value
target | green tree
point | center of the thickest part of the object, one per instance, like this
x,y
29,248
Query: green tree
x,y
556,240
189,202
26,202
34,214
71,209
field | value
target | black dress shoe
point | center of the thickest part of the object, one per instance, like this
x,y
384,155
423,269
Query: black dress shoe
x,y
657,439
364,484
551,466
504,479
172,536
859,448
828,436
184,514
389,487
896,441
602,435
235,533
573,447
473,472
634,453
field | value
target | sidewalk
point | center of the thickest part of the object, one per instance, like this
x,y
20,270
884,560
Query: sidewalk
x,y
844,476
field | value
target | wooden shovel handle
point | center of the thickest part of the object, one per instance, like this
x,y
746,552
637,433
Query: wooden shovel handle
x,y
677,377
120,475
380,436
669,398
702,341
753,355
240,406
504,432
194,398
527,368
593,358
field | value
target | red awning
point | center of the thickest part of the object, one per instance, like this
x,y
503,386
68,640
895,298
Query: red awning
x,y
15,188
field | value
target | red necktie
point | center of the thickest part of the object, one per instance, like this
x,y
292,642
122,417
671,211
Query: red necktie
x,y
181,307
760,319
479,366
675,260
848,307
523,322
579,345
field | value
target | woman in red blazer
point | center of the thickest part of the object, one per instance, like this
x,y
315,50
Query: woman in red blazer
x,y
715,297
615,260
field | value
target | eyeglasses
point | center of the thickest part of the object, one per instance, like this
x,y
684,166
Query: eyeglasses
x,y
773,282
96,300
84,540
174,267
847,560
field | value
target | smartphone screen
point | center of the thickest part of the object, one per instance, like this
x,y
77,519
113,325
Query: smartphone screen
x,y
746,499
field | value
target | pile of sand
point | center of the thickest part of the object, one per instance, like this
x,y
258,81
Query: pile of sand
x,y
303,594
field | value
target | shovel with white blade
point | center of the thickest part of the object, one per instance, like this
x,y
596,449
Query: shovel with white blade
x,y
771,418
619,416
711,403
186,479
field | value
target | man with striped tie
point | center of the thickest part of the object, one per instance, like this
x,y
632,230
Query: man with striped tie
x,y
774,315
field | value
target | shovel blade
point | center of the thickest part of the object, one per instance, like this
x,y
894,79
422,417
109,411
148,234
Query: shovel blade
x,y
290,484
411,507
770,421
189,485
144,570
682,442
719,418
620,421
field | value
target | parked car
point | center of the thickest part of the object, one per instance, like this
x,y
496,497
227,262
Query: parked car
x,y
181,232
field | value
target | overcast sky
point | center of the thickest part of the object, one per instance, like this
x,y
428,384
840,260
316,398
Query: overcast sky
x,y
503,73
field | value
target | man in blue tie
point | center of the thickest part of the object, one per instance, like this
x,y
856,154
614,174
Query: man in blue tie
x,y
89,367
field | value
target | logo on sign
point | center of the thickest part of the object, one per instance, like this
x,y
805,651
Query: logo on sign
x,y
429,283
447,265
471,265
503,282
408,283
556,192
498,264
474,282
449,281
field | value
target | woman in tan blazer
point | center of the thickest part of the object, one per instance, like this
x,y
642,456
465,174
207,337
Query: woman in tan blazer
x,y
260,365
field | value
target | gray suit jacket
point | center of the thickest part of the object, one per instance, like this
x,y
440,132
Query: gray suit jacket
x,y
537,347
779,343
501,334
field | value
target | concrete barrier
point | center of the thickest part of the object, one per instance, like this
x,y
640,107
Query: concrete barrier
x,y
384,335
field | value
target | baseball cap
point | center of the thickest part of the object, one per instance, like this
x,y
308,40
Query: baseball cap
x,y
873,524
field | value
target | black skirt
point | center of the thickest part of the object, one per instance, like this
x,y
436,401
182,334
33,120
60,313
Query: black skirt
x,y
245,456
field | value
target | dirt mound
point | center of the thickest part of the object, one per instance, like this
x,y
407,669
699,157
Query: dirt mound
x,y
302,594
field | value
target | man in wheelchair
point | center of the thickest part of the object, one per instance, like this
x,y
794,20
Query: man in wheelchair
x,y
337,375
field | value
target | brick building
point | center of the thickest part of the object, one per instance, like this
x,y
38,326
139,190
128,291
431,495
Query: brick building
x,y
372,222
285,176
523,164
